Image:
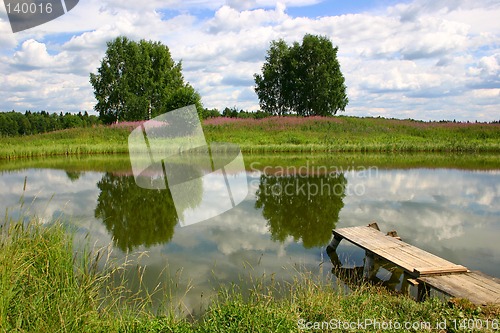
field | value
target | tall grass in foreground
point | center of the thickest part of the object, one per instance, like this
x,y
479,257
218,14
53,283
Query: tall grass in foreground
x,y
44,287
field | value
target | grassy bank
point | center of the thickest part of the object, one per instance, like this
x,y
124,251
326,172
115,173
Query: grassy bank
x,y
44,287
78,141
120,163
285,134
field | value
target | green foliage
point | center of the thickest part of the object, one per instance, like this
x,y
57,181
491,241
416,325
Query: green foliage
x,y
211,113
230,112
15,123
137,216
242,114
304,79
294,205
139,81
232,313
274,87
185,96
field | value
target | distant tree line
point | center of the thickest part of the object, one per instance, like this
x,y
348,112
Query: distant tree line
x,y
234,112
16,123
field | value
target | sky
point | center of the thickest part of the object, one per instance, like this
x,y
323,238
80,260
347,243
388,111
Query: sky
x,y
421,59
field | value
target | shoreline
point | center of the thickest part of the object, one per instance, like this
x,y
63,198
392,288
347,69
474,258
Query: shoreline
x,y
120,162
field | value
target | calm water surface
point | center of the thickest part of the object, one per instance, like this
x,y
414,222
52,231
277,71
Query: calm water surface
x,y
284,222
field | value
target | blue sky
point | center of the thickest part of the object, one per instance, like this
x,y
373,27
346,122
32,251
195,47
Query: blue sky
x,y
339,7
420,59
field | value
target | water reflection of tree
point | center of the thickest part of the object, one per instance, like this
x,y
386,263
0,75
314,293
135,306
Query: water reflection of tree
x,y
136,216
304,207
74,175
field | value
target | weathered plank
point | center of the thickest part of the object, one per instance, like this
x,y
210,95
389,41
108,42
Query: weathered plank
x,y
424,269
413,260
474,286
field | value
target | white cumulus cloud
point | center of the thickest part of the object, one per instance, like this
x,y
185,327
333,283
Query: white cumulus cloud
x,y
421,59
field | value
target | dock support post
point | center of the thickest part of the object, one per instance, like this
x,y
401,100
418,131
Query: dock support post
x,y
410,286
334,244
369,265
423,292
334,258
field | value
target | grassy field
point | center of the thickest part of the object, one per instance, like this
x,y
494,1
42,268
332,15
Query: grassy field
x,y
46,287
352,134
285,134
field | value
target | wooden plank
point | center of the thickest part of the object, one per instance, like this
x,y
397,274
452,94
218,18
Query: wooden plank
x,y
462,285
475,287
441,270
401,260
360,231
412,259
427,268
480,274
367,238
490,284
417,266
431,259
413,282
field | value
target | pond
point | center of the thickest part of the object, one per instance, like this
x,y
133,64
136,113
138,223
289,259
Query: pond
x,y
283,224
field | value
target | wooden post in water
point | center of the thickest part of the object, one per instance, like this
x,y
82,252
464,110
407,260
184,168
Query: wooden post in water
x,y
369,265
410,286
334,244
423,292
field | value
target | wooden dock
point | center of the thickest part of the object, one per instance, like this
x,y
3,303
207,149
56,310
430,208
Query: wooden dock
x,y
422,269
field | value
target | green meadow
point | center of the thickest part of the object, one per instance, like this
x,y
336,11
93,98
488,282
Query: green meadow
x,y
351,134
280,134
